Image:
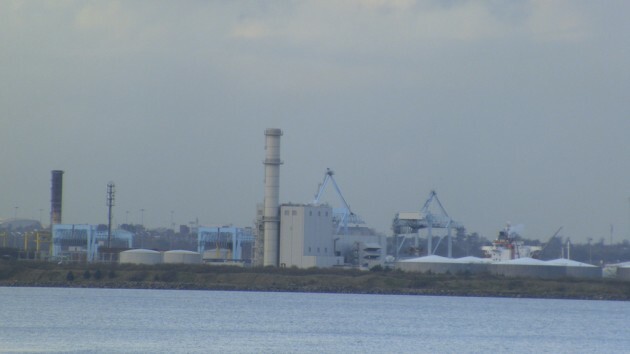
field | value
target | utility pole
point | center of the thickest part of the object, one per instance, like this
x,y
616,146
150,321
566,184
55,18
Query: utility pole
x,y
141,232
110,203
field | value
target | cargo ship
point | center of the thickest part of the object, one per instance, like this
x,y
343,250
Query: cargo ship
x,y
507,247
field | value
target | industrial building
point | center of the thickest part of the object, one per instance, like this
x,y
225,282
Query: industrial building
x,y
442,265
82,242
225,243
364,249
360,247
90,243
521,267
306,236
619,271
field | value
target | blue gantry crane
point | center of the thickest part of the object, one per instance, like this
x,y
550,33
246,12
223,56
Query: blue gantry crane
x,y
431,216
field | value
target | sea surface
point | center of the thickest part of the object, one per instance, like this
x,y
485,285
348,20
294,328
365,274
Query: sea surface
x,y
67,320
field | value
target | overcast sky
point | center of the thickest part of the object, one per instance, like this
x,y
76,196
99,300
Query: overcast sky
x,y
511,110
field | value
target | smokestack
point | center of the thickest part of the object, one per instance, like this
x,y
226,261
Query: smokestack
x,y
55,197
271,220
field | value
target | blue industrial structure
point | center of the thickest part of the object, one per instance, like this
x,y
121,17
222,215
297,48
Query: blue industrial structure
x,y
84,239
226,241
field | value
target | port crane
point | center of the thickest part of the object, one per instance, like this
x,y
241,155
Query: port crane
x,y
341,216
431,216
550,240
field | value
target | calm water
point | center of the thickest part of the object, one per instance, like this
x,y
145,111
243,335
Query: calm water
x,y
150,321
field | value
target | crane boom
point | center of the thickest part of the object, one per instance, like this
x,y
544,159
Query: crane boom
x,y
341,216
551,238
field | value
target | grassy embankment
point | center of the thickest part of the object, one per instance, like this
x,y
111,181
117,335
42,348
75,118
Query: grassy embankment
x,y
203,277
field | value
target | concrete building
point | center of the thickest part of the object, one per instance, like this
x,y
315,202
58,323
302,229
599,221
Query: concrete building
x,y
363,250
306,236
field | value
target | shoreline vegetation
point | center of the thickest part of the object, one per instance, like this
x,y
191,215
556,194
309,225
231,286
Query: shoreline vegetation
x,y
377,281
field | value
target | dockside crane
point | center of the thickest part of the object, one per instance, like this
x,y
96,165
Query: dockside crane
x,y
550,241
429,217
341,216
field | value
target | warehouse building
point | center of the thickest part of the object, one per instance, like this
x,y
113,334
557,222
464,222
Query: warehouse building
x,y
520,267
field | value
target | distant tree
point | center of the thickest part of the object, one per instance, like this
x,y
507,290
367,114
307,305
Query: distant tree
x,y
377,268
98,275
87,274
70,276
111,274
128,227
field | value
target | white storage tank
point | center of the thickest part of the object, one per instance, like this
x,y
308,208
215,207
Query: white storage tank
x,y
182,256
140,256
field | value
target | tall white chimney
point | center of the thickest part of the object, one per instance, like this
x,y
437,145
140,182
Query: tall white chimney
x,y
271,217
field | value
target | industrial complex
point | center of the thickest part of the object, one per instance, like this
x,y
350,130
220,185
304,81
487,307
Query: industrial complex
x,y
302,235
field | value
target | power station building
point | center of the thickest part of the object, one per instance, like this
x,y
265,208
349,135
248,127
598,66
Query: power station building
x,y
306,236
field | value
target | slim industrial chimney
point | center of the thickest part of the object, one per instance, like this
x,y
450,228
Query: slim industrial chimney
x,y
55,197
271,219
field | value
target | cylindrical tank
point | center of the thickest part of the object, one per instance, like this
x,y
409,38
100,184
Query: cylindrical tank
x,y
56,190
140,256
182,256
271,218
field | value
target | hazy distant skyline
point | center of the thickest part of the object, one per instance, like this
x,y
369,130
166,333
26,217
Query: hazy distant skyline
x,y
512,111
